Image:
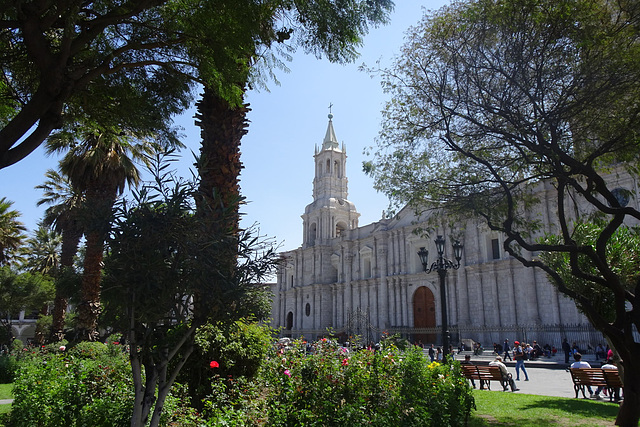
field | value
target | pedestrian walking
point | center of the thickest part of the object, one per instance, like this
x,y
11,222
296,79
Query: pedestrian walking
x,y
519,355
506,349
567,350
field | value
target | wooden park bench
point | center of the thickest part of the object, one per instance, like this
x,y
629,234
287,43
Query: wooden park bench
x,y
595,377
485,374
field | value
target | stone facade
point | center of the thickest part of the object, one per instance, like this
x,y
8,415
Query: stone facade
x,y
366,280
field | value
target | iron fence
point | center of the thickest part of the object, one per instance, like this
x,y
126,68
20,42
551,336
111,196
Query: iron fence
x,y
585,336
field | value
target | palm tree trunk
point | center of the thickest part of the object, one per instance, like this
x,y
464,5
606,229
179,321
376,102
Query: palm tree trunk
x,y
100,203
70,241
219,166
89,307
222,128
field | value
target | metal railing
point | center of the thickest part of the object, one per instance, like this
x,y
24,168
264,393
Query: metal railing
x,y
585,336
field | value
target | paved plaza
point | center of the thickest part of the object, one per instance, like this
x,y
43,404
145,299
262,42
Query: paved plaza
x,y
547,376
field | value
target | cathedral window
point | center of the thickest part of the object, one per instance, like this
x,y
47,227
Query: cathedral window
x,y
340,229
365,262
307,309
336,169
495,248
366,271
328,166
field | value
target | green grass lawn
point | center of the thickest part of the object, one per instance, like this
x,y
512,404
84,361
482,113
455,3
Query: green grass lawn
x,y
527,410
5,391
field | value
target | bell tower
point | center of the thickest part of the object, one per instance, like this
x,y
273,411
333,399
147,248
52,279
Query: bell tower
x,y
331,214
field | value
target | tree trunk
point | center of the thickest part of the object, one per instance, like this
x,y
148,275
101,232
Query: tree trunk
x,y
59,314
100,204
70,241
89,307
629,413
222,128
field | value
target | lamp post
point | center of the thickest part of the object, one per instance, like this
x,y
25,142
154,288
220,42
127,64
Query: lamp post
x,y
441,265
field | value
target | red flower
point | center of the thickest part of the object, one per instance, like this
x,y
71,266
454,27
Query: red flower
x,y
214,364
345,361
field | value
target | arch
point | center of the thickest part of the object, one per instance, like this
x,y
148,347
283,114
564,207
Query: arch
x,y
289,322
341,227
312,234
336,168
424,313
328,166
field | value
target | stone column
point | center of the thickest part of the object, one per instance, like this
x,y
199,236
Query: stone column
x,y
383,294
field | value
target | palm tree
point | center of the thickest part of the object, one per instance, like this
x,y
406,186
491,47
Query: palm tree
x,y
11,232
42,251
63,215
42,255
99,164
223,126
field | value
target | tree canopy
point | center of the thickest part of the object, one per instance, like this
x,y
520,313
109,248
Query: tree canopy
x,y
11,232
495,104
133,63
153,305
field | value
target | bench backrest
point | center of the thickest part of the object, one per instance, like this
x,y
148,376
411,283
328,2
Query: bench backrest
x,y
469,371
612,377
588,376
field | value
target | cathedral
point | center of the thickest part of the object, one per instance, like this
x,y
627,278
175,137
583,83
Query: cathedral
x,y
353,280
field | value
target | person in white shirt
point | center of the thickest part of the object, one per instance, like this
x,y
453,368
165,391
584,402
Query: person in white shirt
x,y
611,364
506,376
579,363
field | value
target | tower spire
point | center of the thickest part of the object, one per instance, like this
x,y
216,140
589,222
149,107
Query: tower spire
x,y
330,140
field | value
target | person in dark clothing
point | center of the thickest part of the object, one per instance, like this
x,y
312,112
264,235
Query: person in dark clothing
x,y
567,350
506,349
467,361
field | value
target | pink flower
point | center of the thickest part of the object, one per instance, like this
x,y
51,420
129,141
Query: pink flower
x,y
287,373
214,364
345,361
62,348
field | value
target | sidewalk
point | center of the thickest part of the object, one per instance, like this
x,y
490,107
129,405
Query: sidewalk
x,y
554,362
547,376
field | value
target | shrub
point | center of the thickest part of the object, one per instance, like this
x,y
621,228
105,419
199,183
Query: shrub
x,y
87,385
8,367
240,347
332,386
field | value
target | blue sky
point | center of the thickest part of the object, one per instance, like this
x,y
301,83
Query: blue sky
x,y
285,125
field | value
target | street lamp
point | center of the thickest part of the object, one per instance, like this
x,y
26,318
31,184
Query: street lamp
x,y
441,265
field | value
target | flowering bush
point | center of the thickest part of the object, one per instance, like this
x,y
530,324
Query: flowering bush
x,y
87,385
90,384
331,387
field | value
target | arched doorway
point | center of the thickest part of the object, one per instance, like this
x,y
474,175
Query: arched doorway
x,y
424,313
289,323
